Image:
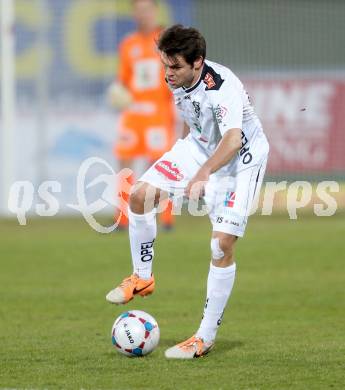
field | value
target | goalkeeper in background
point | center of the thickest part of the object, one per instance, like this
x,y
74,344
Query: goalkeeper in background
x,y
147,116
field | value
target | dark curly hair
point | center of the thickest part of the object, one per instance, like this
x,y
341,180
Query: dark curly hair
x,y
184,41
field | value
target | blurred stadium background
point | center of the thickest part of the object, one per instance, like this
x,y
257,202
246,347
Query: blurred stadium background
x,y
290,55
285,326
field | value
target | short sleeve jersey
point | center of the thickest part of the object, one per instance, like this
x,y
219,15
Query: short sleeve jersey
x,y
217,103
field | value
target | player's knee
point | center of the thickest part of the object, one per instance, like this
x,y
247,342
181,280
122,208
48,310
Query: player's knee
x,y
142,198
222,247
137,201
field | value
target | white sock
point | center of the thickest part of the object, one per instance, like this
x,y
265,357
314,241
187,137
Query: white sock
x,y
142,233
219,285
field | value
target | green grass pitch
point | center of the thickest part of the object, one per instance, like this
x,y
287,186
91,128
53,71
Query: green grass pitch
x,y
284,327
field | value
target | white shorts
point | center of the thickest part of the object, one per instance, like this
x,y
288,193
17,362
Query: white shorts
x,y
228,199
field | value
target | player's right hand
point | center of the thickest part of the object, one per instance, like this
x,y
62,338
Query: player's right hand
x,y
196,187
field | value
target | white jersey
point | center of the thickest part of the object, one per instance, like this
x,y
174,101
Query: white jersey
x,y
216,103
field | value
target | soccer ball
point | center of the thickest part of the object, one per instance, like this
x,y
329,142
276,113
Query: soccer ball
x,y
135,333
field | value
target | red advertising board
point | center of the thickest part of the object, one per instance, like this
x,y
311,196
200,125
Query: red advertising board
x,y
304,119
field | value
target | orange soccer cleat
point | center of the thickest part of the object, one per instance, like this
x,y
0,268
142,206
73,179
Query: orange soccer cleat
x,y
129,287
194,347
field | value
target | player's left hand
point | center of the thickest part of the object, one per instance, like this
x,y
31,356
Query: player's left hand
x,y
196,187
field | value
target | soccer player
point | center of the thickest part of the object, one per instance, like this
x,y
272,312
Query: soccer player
x,y
147,121
221,158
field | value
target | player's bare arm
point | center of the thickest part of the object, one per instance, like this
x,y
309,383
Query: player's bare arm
x,y
229,145
185,130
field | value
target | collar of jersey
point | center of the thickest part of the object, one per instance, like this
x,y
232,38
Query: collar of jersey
x,y
202,76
